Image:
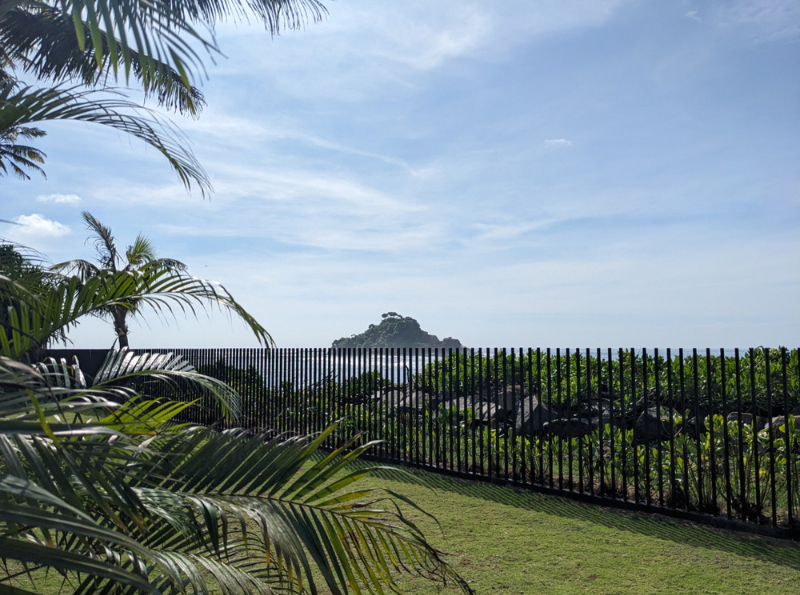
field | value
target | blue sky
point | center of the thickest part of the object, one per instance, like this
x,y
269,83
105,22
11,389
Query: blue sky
x,y
551,173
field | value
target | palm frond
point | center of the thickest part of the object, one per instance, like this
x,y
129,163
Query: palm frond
x,y
103,242
27,106
33,319
155,40
187,509
142,250
18,158
247,493
43,41
81,268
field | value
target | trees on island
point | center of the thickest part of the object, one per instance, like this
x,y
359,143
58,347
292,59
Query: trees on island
x,y
395,330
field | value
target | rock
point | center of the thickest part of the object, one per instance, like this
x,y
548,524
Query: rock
x,y
404,401
778,424
651,400
605,405
485,413
697,419
617,421
503,400
649,426
567,428
746,418
461,404
531,415
512,396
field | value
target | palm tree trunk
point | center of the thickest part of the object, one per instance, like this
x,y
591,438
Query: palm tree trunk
x,y
120,312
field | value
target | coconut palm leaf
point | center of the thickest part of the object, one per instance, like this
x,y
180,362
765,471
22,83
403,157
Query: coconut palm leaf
x,y
149,375
15,158
103,242
155,40
53,484
188,510
142,250
79,267
298,516
33,319
25,106
43,42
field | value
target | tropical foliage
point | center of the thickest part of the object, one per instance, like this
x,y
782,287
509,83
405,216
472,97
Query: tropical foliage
x,y
103,491
76,47
96,486
38,315
140,259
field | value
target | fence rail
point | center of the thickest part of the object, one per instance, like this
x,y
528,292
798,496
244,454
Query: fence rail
x,y
700,435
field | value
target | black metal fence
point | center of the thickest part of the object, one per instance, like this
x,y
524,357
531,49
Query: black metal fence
x,y
700,435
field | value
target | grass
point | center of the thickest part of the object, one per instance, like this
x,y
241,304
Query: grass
x,y
504,540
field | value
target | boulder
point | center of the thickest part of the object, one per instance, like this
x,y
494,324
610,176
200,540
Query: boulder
x,y
461,404
404,401
601,421
746,418
778,425
650,400
567,428
650,426
697,419
503,400
604,405
484,413
531,415
511,396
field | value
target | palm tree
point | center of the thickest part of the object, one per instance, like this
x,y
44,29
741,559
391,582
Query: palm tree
x,y
35,317
91,42
101,491
114,499
140,260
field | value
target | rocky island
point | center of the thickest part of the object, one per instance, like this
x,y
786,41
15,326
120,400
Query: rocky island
x,y
397,331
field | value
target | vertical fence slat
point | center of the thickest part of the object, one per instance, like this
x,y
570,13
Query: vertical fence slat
x,y
788,438
711,452
659,427
646,417
474,420
672,458
699,421
725,433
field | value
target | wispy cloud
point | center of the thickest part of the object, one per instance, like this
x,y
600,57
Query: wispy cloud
x,y
304,208
692,14
62,199
38,226
764,20
225,129
364,49
557,142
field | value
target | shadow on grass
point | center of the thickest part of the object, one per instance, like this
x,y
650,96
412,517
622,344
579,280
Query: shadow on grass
x,y
765,548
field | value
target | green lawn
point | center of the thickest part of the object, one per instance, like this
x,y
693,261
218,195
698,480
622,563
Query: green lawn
x,y
505,540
